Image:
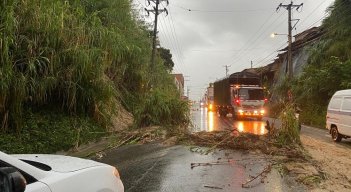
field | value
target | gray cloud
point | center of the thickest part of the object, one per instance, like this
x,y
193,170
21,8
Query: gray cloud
x,y
228,32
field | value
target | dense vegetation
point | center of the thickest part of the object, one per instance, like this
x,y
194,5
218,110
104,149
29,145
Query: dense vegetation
x,y
78,58
329,65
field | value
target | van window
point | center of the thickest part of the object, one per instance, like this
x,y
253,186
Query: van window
x,y
251,94
335,103
346,104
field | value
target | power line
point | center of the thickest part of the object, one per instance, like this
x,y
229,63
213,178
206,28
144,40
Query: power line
x,y
219,11
172,37
252,37
314,10
326,15
274,52
324,34
175,36
223,50
256,40
168,40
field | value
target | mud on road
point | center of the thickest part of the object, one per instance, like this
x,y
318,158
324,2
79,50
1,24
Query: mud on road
x,y
334,161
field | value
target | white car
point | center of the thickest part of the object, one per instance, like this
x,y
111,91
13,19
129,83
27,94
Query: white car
x,y
56,173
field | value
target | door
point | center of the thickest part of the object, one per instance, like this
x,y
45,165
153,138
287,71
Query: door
x,y
345,119
333,116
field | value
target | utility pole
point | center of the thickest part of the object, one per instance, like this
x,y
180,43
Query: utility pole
x,y
186,79
226,69
251,64
155,11
289,7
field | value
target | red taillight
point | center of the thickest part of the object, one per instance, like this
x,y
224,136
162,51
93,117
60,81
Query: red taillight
x,y
237,101
266,100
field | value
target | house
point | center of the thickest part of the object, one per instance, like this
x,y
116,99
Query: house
x,y
179,82
275,72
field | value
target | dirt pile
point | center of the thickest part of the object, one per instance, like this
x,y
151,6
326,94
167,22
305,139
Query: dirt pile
x,y
122,120
334,162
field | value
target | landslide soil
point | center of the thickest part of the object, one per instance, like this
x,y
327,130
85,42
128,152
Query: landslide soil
x,y
332,159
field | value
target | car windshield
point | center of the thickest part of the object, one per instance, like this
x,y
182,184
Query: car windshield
x,y
251,94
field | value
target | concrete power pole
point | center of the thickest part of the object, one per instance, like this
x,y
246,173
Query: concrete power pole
x,y
155,11
226,69
289,7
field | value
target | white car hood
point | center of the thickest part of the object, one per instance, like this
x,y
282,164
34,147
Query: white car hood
x,y
60,163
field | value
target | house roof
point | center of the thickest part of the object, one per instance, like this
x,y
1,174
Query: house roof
x,y
304,38
180,78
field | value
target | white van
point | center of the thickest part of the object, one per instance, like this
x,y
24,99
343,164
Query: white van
x,y
339,115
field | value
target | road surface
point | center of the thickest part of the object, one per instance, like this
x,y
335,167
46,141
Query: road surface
x,y
204,120
154,167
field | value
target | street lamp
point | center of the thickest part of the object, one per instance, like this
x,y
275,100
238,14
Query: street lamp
x,y
275,34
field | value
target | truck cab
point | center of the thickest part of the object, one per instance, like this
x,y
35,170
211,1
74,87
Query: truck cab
x,y
247,101
241,95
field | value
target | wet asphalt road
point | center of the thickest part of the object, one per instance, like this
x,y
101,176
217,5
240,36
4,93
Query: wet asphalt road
x,y
204,120
154,167
323,135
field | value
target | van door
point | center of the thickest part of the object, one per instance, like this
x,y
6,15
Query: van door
x,y
345,116
333,116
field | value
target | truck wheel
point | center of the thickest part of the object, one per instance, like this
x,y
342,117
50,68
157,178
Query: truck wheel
x,y
336,136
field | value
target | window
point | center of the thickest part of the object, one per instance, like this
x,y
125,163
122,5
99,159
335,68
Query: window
x,y
251,94
28,177
346,104
335,103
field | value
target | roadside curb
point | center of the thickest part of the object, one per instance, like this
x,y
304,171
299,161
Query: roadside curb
x,y
87,150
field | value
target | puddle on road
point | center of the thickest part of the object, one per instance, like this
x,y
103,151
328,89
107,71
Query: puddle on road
x,y
222,170
203,120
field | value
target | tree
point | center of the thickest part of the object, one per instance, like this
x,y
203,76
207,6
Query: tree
x,y
166,55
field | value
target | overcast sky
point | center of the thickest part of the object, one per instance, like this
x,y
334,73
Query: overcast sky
x,y
206,35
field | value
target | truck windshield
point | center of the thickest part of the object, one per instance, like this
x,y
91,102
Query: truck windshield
x,y
251,94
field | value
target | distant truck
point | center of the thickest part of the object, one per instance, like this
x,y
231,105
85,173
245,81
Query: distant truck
x,y
241,95
209,98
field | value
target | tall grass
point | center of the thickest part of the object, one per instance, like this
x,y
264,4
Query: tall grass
x,y
81,56
69,53
162,105
289,133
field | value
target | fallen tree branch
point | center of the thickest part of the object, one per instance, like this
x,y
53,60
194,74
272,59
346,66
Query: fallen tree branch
x,y
213,187
266,170
193,165
215,146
